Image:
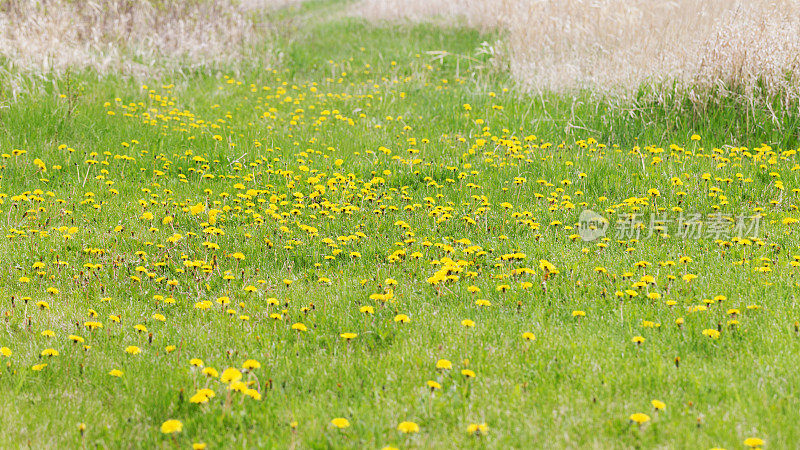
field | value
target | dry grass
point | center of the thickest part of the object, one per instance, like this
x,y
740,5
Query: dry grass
x,y
475,13
749,48
129,36
754,52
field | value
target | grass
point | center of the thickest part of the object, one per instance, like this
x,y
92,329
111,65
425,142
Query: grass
x,y
306,144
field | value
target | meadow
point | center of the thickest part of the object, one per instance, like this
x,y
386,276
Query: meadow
x,y
354,233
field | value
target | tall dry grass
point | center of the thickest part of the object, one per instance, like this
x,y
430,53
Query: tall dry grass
x,y
726,47
127,35
481,14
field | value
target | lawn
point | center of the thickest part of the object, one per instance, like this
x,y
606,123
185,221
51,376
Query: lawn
x,y
377,240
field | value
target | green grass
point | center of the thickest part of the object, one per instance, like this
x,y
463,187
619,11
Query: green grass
x,y
574,386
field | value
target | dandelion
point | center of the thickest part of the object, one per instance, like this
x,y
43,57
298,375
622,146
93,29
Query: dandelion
x,y
711,333
528,336
754,442
402,318
433,385
237,386
197,209
91,326
478,429
199,398
408,427
133,350
230,375
639,418
171,426
252,393
203,305
340,423
251,364
444,364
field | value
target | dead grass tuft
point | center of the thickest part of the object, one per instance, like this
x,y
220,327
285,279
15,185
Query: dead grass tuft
x,y
129,36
